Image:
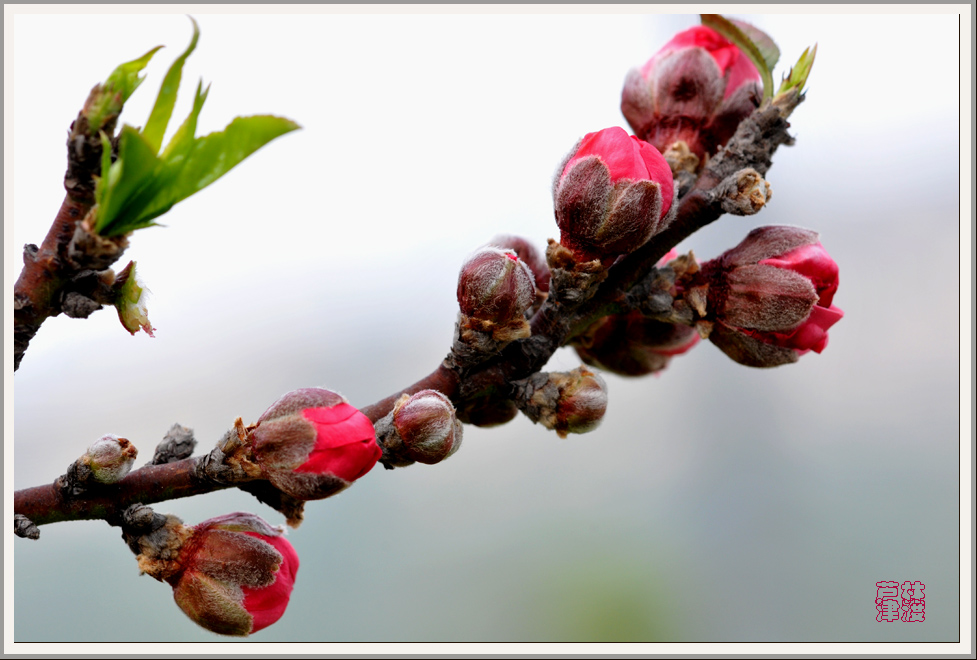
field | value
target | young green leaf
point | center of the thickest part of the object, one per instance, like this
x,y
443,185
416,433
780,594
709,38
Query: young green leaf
x,y
797,77
762,40
159,118
107,102
130,177
727,29
212,156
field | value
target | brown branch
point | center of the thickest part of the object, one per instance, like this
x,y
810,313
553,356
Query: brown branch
x,y
553,325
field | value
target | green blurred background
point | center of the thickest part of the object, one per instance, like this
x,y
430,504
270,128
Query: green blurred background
x,y
716,503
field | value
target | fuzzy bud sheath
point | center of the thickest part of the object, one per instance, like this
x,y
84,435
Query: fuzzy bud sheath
x,y
770,297
529,255
232,575
421,428
696,90
312,444
613,193
573,402
495,289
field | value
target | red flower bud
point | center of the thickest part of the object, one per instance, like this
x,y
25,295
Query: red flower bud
x,y
613,194
696,89
572,402
427,427
634,345
312,444
495,286
236,574
771,295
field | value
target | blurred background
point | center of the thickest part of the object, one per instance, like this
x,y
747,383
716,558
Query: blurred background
x,y
716,503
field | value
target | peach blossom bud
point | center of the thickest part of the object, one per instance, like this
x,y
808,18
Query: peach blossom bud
x,y
427,427
696,90
312,444
529,255
495,286
236,574
572,402
613,194
634,345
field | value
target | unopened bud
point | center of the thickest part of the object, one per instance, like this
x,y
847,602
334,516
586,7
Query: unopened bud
x,y
232,575
613,194
770,297
427,426
312,444
573,402
634,345
109,459
696,89
495,285
487,412
529,255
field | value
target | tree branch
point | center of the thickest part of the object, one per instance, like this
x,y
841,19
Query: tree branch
x,y
553,325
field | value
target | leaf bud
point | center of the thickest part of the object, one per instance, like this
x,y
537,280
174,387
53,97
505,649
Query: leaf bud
x,y
613,193
131,300
109,458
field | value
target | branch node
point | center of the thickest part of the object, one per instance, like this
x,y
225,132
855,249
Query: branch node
x,y
24,528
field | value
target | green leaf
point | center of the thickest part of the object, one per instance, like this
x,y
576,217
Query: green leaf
x,y
182,140
797,77
212,156
129,178
159,118
763,42
115,91
727,29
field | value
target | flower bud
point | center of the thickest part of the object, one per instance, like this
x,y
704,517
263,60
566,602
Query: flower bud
x,y
527,254
634,345
572,402
232,575
130,301
495,285
770,296
312,444
426,424
612,195
109,458
696,89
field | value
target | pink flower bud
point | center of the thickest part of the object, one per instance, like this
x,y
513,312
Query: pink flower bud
x,y
427,427
634,345
771,295
312,444
613,194
495,286
236,574
696,89
109,458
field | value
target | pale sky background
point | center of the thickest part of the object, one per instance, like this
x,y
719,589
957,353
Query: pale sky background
x,y
716,503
